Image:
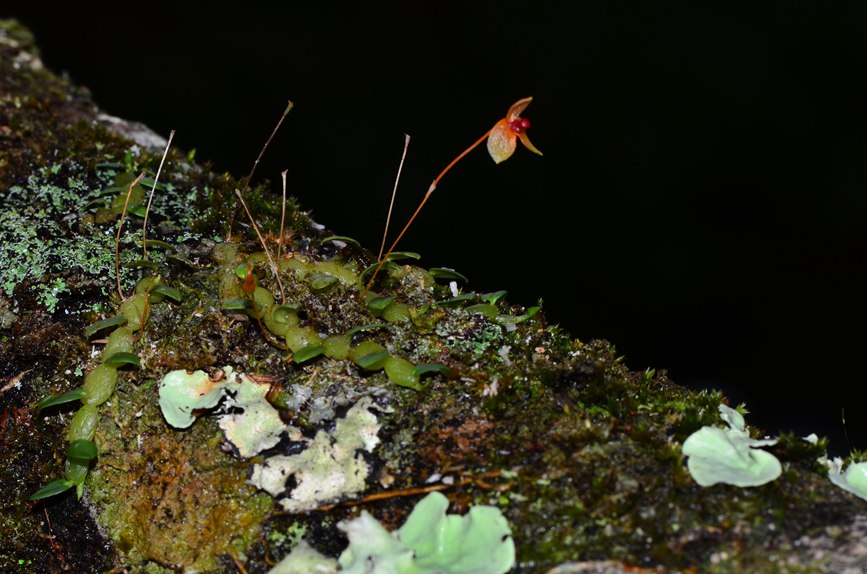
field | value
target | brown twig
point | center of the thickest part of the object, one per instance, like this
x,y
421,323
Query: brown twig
x,y
55,545
14,381
414,491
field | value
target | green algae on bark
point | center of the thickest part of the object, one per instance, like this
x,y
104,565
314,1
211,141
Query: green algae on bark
x,y
582,455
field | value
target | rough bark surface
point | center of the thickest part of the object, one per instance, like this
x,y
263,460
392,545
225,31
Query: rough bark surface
x,y
582,455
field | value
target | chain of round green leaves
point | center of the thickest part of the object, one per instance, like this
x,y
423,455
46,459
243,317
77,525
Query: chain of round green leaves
x,y
100,382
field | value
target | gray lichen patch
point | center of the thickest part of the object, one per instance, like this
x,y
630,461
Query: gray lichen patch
x,y
329,468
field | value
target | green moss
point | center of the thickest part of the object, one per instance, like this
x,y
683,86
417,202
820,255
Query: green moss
x,y
583,455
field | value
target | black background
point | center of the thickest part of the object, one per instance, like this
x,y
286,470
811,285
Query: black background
x,y
700,204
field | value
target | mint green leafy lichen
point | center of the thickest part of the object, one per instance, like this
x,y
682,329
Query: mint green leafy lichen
x,y
257,426
854,480
304,559
429,542
329,468
182,392
729,455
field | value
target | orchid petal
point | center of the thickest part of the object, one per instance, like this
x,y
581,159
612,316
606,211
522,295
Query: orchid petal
x,y
526,141
517,108
502,141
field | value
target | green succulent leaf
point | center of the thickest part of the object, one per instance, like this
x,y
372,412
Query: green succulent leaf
x,y
322,281
122,359
455,301
365,327
425,368
446,273
156,243
82,449
53,400
143,263
137,209
341,238
94,328
169,292
373,361
380,303
241,270
236,305
308,352
399,255
52,488
493,296
486,309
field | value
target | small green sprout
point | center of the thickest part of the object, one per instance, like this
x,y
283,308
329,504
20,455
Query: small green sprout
x,y
729,455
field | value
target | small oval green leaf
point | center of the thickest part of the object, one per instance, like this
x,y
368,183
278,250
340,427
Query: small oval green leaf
x,y
446,273
486,309
52,488
322,281
285,313
137,209
385,266
169,292
53,400
242,269
142,263
425,368
82,449
493,296
366,327
156,243
340,238
121,359
398,255
373,361
308,352
455,301
104,324
236,305
380,303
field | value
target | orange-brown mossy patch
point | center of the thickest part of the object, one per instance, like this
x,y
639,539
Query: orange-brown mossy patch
x,y
174,498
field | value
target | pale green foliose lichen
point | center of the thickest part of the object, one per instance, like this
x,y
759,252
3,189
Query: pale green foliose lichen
x,y
429,542
729,455
182,392
253,425
304,559
854,480
328,468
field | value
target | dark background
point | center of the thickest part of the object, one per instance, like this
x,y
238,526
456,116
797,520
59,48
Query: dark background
x,y
700,204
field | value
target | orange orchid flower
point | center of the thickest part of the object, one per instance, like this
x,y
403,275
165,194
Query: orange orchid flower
x,y
502,139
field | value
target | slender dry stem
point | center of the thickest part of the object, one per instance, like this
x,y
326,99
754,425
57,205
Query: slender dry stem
x,y
289,106
430,190
117,238
144,225
264,245
282,225
393,195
